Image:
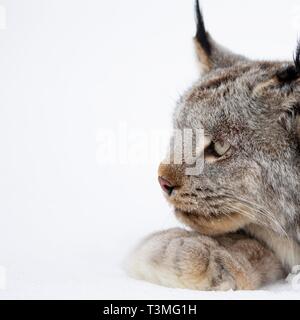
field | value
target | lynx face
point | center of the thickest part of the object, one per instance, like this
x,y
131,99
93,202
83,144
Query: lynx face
x,y
249,112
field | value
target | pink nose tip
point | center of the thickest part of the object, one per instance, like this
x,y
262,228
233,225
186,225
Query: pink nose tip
x,y
166,185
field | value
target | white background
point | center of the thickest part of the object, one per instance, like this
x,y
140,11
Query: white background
x,y
69,68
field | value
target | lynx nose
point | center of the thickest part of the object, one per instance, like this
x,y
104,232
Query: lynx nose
x,y
166,185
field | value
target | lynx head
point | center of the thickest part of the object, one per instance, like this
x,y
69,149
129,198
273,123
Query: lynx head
x,y
250,113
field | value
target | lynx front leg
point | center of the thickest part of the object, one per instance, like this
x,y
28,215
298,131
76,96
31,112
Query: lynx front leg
x,y
184,259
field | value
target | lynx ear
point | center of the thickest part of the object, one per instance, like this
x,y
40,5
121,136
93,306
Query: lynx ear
x,y
209,53
288,80
292,72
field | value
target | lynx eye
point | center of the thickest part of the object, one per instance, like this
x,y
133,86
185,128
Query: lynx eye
x,y
221,148
216,150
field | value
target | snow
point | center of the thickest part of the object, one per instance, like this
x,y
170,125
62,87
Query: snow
x,y
68,69
102,277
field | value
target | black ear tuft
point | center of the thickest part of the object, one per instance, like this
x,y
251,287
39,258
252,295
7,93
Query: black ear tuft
x,y
292,72
297,58
210,54
201,35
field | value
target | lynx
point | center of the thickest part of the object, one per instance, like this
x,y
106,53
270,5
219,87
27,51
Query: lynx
x,y
242,212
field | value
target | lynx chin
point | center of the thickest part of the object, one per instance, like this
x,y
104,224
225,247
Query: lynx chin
x,y
242,212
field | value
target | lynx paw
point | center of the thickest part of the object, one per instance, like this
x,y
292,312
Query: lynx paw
x,y
182,259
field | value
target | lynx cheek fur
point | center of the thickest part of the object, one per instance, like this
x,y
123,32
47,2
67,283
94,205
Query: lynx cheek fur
x,y
244,208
